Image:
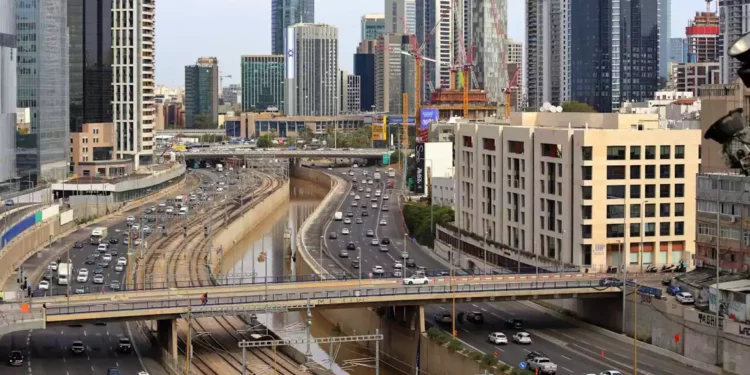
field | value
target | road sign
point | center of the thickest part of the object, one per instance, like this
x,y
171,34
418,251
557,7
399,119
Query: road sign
x,y
522,365
386,159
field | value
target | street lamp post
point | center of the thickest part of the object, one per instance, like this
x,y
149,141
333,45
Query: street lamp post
x,y
484,251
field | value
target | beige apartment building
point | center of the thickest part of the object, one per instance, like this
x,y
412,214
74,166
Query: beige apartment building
x,y
92,152
584,189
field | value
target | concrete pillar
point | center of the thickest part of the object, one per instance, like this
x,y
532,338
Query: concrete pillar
x,y
420,316
166,331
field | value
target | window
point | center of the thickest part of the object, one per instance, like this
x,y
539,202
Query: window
x,y
615,211
679,171
635,172
650,172
664,209
635,191
586,249
650,152
615,172
650,230
586,153
635,152
650,210
664,152
664,190
551,150
679,209
586,231
615,230
707,206
679,228
616,192
635,230
635,211
468,142
679,190
650,191
679,152
515,147
664,171
664,229
586,171
586,212
615,152
586,192
488,144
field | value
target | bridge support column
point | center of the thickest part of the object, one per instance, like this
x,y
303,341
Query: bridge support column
x,y
166,331
420,316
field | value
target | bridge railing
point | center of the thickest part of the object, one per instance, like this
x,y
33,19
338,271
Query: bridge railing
x,y
15,321
301,298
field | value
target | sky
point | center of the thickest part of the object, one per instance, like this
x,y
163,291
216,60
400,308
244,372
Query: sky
x,y
228,29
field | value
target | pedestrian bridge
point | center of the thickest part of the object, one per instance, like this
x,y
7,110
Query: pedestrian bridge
x,y
165,304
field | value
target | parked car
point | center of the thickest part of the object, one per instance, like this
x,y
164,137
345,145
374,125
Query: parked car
x,y
684,298
673,290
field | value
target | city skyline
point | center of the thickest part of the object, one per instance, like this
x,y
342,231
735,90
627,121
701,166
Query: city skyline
x,y
172,16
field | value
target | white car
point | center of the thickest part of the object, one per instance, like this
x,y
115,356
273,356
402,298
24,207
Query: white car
x,y
122,261
344,230
522,338
364,182
99,279
119,268
609,372
83,275
684,298
385,197
398,265
44,285
543,364
383,222
52,266
378,270
374,205
347,221
498,338
374,242
131,219
107,257
367,195
356,197
416,280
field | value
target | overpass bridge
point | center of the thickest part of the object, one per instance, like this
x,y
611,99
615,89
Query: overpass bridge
x,y
273,153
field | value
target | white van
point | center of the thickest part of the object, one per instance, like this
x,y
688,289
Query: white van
x,y
338,216
183,211
102,247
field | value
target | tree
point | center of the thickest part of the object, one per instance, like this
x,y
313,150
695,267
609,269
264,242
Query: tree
x,y
265,140
203,121
574,106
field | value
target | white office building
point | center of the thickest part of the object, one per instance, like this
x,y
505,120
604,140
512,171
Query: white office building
x,y
438,46
400,13
7,89
134,108
311,61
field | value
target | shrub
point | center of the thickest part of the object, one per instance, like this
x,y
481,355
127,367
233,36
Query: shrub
x,y
454,345
476,356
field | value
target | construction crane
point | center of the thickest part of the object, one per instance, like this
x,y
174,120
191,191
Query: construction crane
x,y
463,61
509,90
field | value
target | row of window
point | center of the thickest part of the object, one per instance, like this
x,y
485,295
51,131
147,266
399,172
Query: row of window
x,y
617,211
733,209
708,183
709,229
617,172
620,152
649,230
649,191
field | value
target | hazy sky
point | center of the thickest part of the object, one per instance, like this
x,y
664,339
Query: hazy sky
x,y
227,29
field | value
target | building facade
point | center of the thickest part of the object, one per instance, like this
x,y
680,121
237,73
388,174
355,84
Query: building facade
x,y
593,190
393,73
262,80
490,51
133,106
285,13
90,58
349,92
400,16
92,152
691,76
372,24
665,35
42,40
734,16
703,38
232,94
202,90
440,46
311,63
515,74
364,68
678,49
7,89
254,125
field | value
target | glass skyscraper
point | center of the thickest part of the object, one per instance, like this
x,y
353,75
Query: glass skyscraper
x,y
285,13
42,37
262,78
202,91
7,89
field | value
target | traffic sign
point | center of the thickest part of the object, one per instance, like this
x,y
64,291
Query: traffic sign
x,y
522,365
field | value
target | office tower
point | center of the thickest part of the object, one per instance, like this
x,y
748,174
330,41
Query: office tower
x,y
42,41
349,92
394,74
202,92
573,195
572,50
400,16
285,13
734,17
373,24
232,94
703,38
678,49
665,33
262,80
90,51
515,72
364,68
311,67
133,106
7,89
439,46
488,45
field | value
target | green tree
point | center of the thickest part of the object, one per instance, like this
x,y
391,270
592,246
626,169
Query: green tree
x,y
307,135
265,140
417,219
204,121
291,140
574,106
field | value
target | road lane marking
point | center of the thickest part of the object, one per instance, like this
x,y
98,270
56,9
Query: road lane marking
x,y
566,369
527,350
483,309
565,357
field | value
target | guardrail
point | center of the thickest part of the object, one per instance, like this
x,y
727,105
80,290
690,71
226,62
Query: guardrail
x,y
288,153
320,297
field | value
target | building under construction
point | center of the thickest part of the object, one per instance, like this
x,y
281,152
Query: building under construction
x,y
703,36
450,103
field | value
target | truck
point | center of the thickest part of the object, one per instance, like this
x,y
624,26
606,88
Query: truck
x,y
64,270
98,235
219,167
377,176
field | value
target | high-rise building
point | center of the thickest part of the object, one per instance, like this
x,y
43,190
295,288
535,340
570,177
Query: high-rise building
x,y
232,94
262,79
580,50
202,91
400,16
349,92
665,34
90,51
439,46
678,49
703,38
581,189
364,68
285,13
734,17
7,89
515,73
489,49
373,24
42,40
394,74
134,110
311,63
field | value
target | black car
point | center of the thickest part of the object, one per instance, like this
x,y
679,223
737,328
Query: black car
x,y
411,263
90,260
364,213
385,241
125,345
333,235
16,358
364,205
77,347
47,275
78,245
475,317
114,240
113,252
349,214
350,246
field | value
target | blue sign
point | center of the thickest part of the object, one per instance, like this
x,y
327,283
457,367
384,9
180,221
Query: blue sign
x,y
522,365
428,116
399,120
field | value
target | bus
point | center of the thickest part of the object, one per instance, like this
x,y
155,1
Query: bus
x,y
391,172
98,235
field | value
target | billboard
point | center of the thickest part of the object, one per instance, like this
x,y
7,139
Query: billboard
x,y
419,188
378,131
427,116
399,120
290,52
